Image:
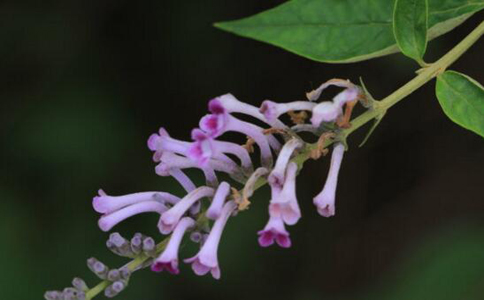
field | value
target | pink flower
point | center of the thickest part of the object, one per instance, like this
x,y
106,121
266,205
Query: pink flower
x,y
108,221
325,200
276,177
169,258
170,218
106,204
206,259
284,205
205,147
326,111
274,231
329,111
220,121
273,110
215,209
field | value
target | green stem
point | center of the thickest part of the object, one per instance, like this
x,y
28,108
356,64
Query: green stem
x,y
427,74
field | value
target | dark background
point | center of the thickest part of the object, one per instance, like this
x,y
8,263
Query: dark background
x,y
82,86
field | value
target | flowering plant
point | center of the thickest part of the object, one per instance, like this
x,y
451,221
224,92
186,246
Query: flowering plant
x,y
276,151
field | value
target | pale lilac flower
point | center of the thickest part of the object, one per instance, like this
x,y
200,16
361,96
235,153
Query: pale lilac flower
x,y
349,94
251,182
276,177
171,161
206,147
285,205
169,258
220,121
206,259
163,142
314,95
329,111
272,110
325,201
233,105
274,231
106,204
108,221
182,178
215,208
326,111
170,218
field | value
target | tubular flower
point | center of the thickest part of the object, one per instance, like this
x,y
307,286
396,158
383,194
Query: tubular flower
x,y
169,258
215,208
276,177
106,204
274,231
170,218
208,153
220,121
205,147
108,221
206,259
285,205
273,110
325,200
329,111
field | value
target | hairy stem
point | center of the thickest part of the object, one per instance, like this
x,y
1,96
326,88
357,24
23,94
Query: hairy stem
x,y
428,73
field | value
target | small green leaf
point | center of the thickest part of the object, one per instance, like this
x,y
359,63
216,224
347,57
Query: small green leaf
x,y
410,19
462,99
343,31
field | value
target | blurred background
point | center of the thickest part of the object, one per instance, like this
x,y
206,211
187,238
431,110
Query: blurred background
x,y
84,83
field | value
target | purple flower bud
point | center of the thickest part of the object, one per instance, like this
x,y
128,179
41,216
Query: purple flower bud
x,y
115,288
215,208
276,177
285,205
107,204
125,272
113,275
97,267
169,258
170,218
274,231
325,200
196,236
137,243
106,222
119,245
80,284
69,294
53,295
149,246
273,110
206,259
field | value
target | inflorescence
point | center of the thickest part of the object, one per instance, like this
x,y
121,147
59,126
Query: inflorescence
x,y
277,143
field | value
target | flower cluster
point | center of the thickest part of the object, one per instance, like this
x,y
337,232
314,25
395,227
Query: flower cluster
x,y
277,144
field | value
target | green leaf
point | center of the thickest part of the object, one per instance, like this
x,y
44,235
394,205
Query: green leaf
x,y
410,19
462,99
343,31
